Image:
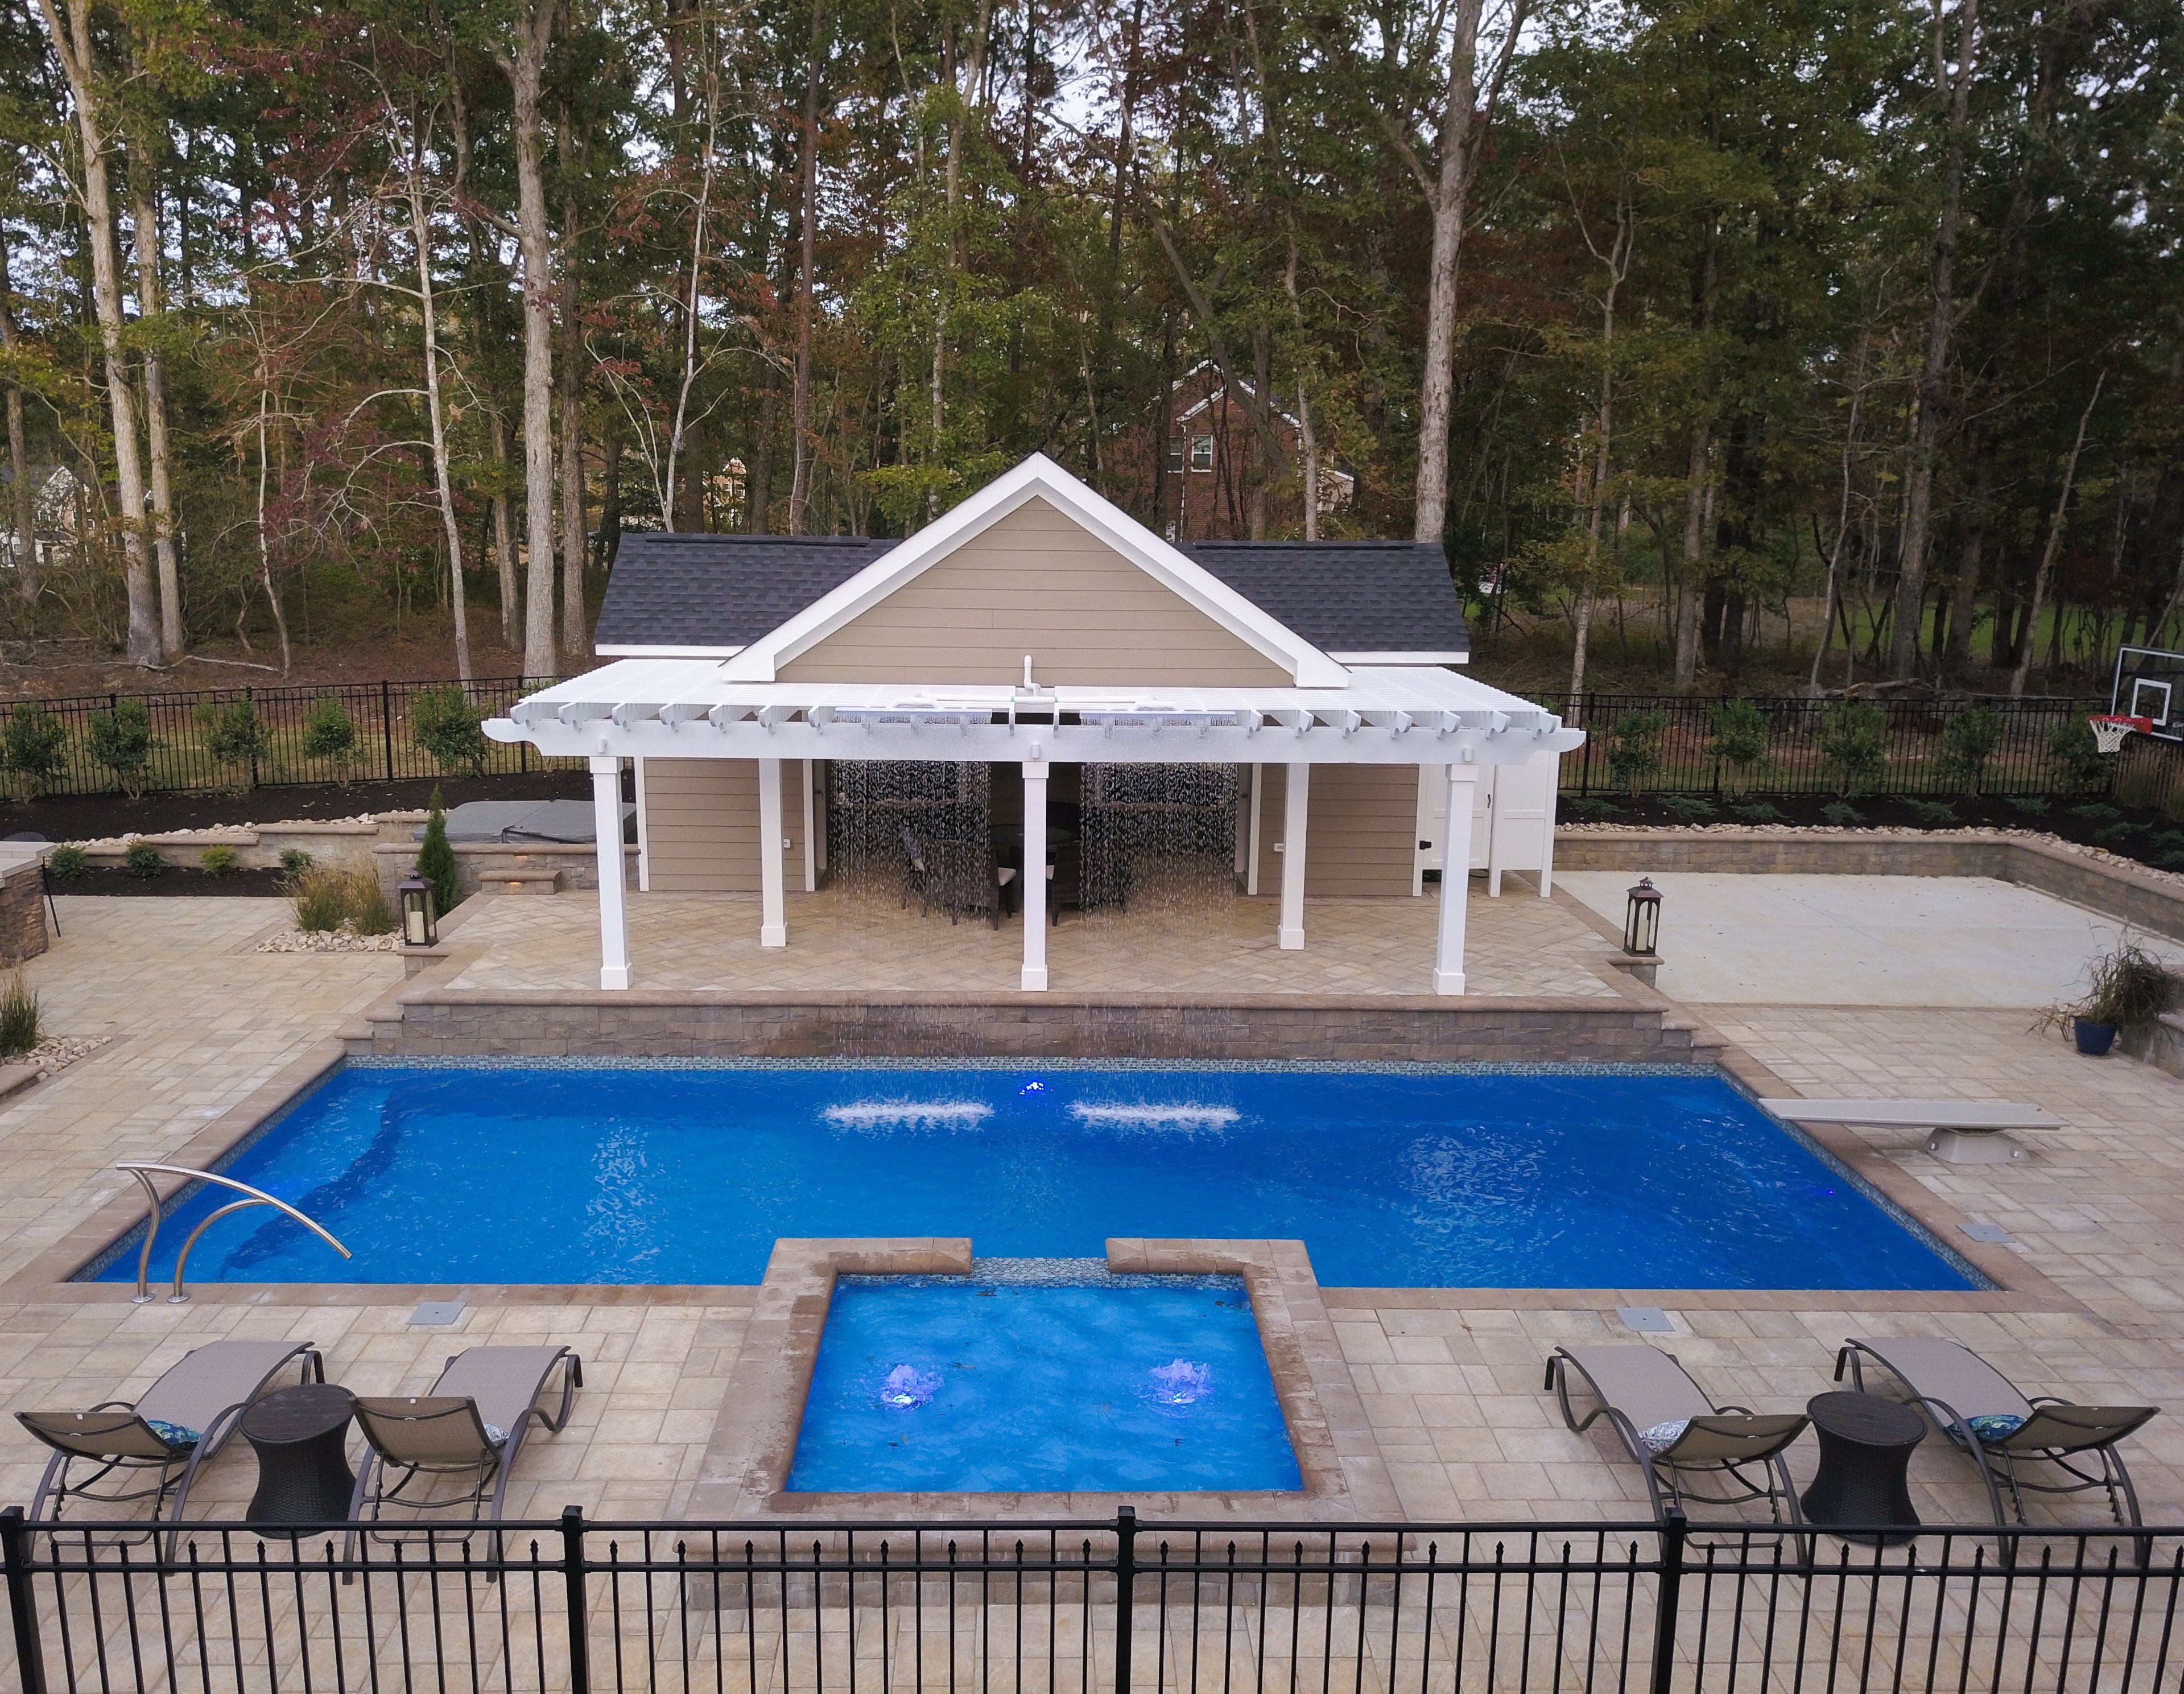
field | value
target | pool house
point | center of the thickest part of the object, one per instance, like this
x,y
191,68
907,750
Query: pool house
x,y
1036,680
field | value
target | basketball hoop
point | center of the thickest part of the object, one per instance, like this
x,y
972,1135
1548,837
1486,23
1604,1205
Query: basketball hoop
x,y
2108,733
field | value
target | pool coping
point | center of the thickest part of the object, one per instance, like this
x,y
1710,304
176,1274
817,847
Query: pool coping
x,y
2019,1286
743,1474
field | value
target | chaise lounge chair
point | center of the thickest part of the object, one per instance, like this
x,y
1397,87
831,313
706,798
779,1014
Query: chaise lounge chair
x,y
1672,1430
171,1430
471,1426
1981,1410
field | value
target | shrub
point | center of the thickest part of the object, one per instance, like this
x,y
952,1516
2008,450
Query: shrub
x,y
1740,741
67,863
330,734
1933,814
144,859
32,745
435,861
326,899
234,733
2084,768
1853,742
1842,814
1634,751
445,722
1968,742
320,899
2096,814
295,860
1689,808
2033,805
1758,811
1592,809
18,1017
120,741
370,911
217,860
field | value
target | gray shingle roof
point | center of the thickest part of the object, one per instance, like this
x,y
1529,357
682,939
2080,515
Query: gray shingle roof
x,y
704,591
720,590
1347,596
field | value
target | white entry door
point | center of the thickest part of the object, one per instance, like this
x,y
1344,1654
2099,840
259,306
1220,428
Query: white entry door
x,y
1433,821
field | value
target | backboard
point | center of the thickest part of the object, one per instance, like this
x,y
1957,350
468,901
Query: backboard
x,y
2149,683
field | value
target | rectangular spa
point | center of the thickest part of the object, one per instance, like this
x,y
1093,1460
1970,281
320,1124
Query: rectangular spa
x,y
1393,1177
956,1384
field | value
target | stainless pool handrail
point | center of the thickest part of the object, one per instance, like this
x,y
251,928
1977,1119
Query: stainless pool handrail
x,y
256,1197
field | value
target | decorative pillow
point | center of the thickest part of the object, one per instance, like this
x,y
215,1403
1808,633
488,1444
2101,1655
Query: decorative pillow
x,y
1662,1436
174,1435
1995,1426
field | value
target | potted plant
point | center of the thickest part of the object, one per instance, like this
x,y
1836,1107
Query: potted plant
x,y
2126,988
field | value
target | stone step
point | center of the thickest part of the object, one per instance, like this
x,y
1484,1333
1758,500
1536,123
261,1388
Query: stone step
x,y
522,879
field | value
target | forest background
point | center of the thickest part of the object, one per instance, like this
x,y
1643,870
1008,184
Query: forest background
x,y
1777,343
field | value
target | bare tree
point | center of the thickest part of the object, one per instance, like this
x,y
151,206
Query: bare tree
x,y
420,233
22,496
2054,546
524,66
73,46
144,190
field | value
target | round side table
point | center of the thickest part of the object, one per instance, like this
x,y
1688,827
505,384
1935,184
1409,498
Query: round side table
x,y
1865,1456
300,1435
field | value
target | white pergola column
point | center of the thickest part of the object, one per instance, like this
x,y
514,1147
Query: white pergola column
x,y
772,872
1455,880
614,903
1295,798
1032,877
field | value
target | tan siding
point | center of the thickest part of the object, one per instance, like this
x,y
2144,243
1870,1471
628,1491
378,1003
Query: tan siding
x,y
1359,843
1035,582
701,825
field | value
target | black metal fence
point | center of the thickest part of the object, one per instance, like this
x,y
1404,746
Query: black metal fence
x,y
1108,1607
1678,747
186,745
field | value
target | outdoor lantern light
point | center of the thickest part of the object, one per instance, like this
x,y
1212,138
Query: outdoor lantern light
x,y
1641,919
418,929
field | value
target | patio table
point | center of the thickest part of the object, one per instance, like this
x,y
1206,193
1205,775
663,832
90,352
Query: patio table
x,y
1865,1456
300,1435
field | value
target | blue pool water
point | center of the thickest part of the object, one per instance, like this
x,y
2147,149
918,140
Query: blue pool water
x,y
1411,1178
969,1386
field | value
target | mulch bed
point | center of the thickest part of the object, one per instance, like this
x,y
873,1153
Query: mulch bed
x,y
87,818
2152,837
175,880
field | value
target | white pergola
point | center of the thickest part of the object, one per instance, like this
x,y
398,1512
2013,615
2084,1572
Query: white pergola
x,y
693,709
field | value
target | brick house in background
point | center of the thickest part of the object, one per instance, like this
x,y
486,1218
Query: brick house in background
x,y
1204,495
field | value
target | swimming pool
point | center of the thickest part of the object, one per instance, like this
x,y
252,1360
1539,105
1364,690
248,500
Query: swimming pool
x,y
965,1386
1392,1178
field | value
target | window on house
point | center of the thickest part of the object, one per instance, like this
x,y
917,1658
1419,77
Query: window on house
x,y
1202,453
1175,456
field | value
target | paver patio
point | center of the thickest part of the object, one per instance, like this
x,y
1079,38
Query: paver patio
x,y
1453,1394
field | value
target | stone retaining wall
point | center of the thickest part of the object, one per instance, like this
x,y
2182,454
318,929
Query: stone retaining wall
x,y
2128,893
23,913
425,1021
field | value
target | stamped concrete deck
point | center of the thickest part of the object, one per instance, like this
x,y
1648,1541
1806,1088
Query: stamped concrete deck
x,y
1451,1383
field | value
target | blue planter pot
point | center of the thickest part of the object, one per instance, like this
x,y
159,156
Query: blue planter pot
x,y
2094,1039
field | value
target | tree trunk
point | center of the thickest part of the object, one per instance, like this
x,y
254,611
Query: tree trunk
x,y
799,407
2054,546
1265,465
420,232
1437,387
23,498
760,520
146,195
533,30
1305,432
1963,593
503,536
1686,661
575,542
1933,389
72,44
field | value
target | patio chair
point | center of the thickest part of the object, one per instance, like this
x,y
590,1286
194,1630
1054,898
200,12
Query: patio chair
x,y
1673,1430
470,1426
171,1430
1998,1429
